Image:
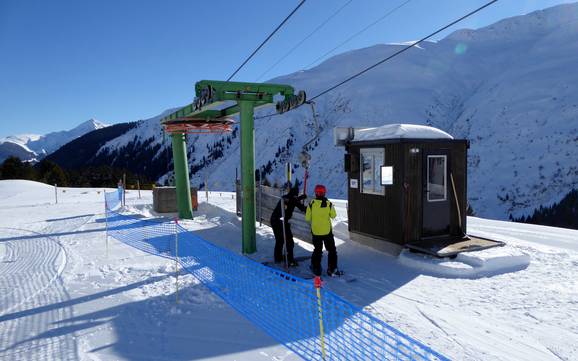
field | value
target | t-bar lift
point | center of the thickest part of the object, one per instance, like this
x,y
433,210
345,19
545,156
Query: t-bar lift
x,y
211,112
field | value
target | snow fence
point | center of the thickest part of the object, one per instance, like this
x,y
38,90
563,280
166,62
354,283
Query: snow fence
x,y
313,322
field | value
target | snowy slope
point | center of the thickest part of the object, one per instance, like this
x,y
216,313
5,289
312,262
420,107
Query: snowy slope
x,y
32,147
510,88
62,297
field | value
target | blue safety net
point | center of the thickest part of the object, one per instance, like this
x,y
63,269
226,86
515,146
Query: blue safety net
x,y
284,306
112,199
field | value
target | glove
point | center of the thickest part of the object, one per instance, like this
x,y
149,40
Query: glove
x,y
302,197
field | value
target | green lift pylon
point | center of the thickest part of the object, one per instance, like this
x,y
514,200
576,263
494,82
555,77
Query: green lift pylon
x,y
212,106
181,166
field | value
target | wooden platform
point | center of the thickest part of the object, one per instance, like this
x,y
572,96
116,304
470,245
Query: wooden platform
x,y
452,247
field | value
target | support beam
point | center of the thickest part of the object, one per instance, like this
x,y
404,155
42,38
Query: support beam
x,y
181,166
248,176
215,102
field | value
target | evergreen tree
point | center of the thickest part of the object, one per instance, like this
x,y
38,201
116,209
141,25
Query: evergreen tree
x,y
51,173
563,214
14,168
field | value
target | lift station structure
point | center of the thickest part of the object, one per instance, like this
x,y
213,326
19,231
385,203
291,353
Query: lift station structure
x,y
215,104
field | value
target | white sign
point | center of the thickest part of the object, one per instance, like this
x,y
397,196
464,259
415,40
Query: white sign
x,y
386,175
353,183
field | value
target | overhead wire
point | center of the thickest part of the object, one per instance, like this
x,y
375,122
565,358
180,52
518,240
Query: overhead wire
x,y
384,16
267,39
404,49
334,14
397,53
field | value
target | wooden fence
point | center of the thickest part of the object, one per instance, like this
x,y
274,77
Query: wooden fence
x,y
266,201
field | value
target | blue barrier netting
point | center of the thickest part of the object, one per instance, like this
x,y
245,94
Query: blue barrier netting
x,y
112,199
286,307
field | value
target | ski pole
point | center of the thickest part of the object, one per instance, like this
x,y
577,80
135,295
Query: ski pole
x,y
284,233
177,260
305,176
317,283
260,198
106,222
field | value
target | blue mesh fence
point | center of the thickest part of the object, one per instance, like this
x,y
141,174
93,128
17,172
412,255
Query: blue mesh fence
x,y
284,306
112,199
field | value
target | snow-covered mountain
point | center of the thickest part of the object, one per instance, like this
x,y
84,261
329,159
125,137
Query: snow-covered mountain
x,y
510,88
32,147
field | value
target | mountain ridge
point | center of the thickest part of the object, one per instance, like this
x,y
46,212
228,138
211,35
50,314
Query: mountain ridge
x,y
34,147
513,94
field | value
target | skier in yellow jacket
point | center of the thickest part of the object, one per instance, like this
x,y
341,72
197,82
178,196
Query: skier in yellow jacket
x,y
319,214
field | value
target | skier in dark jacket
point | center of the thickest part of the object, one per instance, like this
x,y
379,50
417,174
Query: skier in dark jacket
x,y
291,200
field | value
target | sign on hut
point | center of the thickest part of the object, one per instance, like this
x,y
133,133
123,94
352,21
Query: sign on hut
x,y
407,187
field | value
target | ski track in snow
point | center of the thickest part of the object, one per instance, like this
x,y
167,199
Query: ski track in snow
x,y
30,280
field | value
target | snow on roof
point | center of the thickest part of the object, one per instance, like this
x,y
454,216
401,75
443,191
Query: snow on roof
x,y
399,131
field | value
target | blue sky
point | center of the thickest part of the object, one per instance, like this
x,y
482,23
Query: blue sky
x,y
63,62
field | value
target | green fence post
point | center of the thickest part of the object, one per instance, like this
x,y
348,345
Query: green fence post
x,y
182,176
248,176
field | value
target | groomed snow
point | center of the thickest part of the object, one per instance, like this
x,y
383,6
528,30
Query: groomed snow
x,y
399,131
63,297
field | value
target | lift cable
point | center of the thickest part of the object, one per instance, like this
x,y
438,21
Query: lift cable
x,y
303,40
267,39
386,15
391,56
404,49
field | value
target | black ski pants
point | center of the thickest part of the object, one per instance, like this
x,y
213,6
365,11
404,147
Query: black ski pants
x,y
329,242
278,232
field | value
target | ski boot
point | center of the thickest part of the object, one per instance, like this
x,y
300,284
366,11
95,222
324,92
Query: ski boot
x,y
316,270
334,273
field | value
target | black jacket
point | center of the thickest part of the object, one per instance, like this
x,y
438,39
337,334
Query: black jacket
x,y
291,201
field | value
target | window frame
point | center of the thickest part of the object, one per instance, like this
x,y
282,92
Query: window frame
x,y
375,182
445,178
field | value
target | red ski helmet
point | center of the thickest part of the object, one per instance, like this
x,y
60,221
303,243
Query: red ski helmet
x,y
320,190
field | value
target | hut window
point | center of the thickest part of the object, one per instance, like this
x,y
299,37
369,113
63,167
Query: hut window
x,y
371,162
436,178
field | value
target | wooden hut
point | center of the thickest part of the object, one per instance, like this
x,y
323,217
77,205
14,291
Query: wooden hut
x,y
407,187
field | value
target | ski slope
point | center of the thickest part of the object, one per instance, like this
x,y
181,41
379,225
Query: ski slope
x,y
64,296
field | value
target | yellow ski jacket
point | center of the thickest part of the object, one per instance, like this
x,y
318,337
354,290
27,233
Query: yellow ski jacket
x,y
320,217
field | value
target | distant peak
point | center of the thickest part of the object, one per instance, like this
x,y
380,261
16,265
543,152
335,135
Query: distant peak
x,y
532,24
93,124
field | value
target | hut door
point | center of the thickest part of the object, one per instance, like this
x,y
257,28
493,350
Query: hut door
x,y
436,202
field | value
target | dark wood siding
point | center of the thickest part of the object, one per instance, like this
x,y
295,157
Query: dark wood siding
x,y
393,221
397,216
413,192
352,193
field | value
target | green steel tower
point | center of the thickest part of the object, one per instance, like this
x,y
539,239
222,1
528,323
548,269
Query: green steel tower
x,y
212,111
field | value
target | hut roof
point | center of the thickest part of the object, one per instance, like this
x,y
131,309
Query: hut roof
x,y
399,131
